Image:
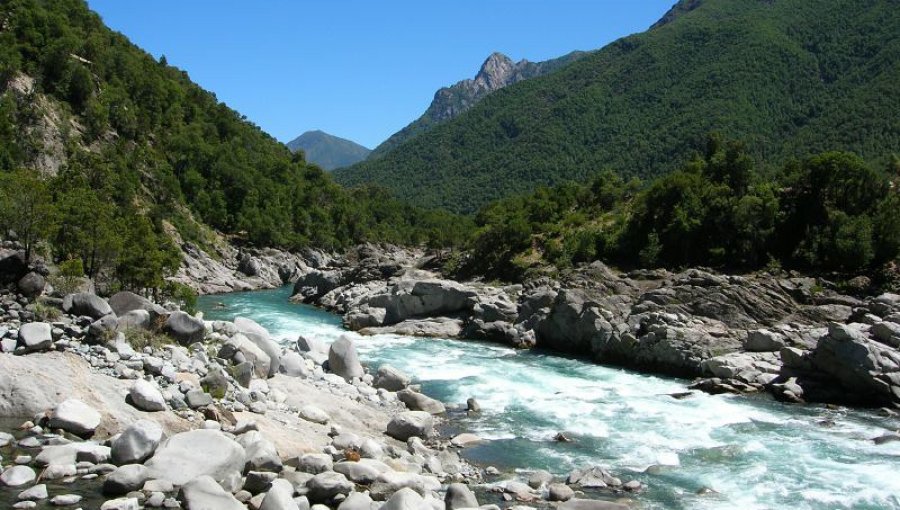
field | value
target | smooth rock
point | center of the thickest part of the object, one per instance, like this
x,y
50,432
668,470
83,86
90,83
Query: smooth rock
x,y
343,359
325,486
418,402
405,499
560,492
36,493
75,416
591,504
411,424
17,476
459,496
203,493
391,379
137,443
66,500
130,477
36,336
31,285
279,497
85,303
146,396
314,414
188,455
184,328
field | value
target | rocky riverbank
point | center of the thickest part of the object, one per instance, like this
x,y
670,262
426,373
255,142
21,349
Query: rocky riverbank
x,y
126,404
796,337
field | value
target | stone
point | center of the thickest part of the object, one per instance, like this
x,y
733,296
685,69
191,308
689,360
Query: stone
x,y
343,359
464,439
124,302
279,497
197,398
65,500
294,365
416,401
31,285
411,424
76,417
315,463
363,472
260,453
257,482
885,332
196,453
260,336
763,340
203,493
121,504
251,353
135,319
137,443
391,378
184,328
472,405
314,414
17,476
539,478
405,499
324,486
13,267
35,336
311,344
356,501
36,493
459,496
127,478
145,396
560,492
86,303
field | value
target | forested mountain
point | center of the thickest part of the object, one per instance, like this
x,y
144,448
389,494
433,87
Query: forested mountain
x,y
789,78
328,151
496,72
133,154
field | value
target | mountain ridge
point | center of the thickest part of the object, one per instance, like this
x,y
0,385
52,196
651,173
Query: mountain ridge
x,y
496,72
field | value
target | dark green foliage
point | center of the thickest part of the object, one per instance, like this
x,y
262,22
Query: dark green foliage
x,y
830,212
790,78
164,151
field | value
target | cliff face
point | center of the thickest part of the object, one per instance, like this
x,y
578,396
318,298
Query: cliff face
x,y
497,72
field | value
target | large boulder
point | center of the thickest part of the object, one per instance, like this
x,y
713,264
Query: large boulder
x,y
260,454
145,396
12,267
343,359
405,499
411,424
76,417
17,476
316,283
85,303
416,401
249,352
260,336
459,496
280,496
125,479
294,365
32,284
763,340
125,301
184,328
35,336
325,486
391,379
188,455
203,493
137,443
868,369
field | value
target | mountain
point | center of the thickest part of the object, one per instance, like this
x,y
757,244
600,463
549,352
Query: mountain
x,y
124,155
789,78
496,72
328,151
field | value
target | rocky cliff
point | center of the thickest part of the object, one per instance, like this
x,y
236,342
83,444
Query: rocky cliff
x,y
497,72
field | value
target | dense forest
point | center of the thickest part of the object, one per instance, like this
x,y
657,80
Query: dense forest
x,y
829,212
790,78
141,148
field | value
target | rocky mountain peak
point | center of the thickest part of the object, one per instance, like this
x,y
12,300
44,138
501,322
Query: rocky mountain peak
x,y
495,72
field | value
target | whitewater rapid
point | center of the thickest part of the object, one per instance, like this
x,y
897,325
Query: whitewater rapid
x,y
752,452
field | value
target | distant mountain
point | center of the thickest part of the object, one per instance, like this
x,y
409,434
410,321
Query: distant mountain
x,y
498,71
328,151
790,78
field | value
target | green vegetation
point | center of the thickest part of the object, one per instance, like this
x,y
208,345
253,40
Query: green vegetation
x,y
830,212
144,149
790,78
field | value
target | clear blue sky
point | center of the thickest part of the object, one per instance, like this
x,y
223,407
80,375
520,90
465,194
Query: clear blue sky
x,y
360,69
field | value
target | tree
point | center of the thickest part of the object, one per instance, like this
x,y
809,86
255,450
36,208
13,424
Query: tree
x,y
87,230
26,208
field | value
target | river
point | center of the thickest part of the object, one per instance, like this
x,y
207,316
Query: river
x,y
753,452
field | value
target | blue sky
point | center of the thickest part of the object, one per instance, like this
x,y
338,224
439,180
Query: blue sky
x,y
360,69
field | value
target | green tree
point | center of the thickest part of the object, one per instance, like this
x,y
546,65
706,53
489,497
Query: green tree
x,y
26,208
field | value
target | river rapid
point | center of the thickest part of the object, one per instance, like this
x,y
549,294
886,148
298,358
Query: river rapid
x,y
753,453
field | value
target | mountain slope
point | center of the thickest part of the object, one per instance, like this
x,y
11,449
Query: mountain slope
x,y
328,151
496,72
788,77
133,152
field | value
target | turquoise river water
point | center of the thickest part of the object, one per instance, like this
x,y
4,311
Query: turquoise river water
x,y
753,452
